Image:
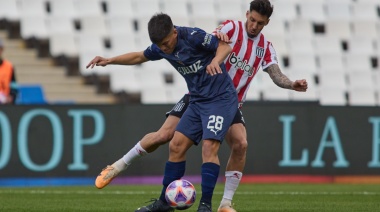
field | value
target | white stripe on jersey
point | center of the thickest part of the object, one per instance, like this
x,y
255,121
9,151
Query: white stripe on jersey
x,y
247,56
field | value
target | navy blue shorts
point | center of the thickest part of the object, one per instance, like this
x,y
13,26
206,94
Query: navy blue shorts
x,y
179,109
209,119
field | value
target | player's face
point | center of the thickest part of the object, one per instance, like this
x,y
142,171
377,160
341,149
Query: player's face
x,y
255,23
168,44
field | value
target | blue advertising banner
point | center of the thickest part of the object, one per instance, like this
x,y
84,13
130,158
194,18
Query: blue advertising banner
x,y
79,140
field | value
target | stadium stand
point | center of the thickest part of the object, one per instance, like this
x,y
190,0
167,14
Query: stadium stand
x,y
334,44
179,11
229,10
338,10
120,8
312,11
332,96
30,94
300,29
65,9
312,92
125,91
330,63
338,28
333,79
327,45
9,11
275,28
203,13
302,46
86,8
272,93
288,10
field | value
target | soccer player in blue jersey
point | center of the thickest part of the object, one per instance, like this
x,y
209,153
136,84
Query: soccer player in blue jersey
x,y
213,99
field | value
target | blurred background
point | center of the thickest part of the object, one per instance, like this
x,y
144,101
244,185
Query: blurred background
x,y
83,117
334,44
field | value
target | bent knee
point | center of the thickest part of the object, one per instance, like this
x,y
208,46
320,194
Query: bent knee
x,y
210,148
240,145
164,136
176,147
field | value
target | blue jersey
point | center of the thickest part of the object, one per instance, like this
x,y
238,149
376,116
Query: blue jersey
x,y
195,50
213,99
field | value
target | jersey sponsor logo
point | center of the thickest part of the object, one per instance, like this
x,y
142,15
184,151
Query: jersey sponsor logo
x,y
194,68
207,40
260,52
240,64
176,55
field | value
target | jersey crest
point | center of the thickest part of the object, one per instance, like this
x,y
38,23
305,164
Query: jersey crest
x,y
260,52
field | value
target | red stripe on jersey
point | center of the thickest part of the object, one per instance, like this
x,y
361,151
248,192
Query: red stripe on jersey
x,y
255,68
231,32
268,54
240,72
236,48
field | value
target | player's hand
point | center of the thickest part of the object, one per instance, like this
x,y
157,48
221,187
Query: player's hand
x,y
98,61
299,85
223,37
213,68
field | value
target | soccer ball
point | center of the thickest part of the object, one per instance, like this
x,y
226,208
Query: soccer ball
x,y
180,194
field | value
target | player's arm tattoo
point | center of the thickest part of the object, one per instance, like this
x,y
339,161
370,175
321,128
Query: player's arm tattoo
x,y
278,77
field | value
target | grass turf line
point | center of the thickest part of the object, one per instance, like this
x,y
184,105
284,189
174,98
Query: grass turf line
x,y
249,198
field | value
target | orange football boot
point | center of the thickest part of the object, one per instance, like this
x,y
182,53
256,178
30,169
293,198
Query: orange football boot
x,y
106,176
226,208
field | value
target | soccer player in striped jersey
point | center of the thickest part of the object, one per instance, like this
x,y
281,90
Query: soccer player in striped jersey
x,y
250,51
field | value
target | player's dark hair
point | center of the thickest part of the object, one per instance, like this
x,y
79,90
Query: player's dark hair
x,y
159,26
263,7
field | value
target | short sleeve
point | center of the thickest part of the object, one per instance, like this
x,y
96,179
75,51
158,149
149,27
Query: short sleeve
x,y
203,40
152,52
270,56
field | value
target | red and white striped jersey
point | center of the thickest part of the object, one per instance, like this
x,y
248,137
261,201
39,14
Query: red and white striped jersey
x,y
247,55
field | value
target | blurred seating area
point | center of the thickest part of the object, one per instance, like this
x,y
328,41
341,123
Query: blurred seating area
x,y
334,44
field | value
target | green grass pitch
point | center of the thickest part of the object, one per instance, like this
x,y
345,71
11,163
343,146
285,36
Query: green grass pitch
x,y
249,198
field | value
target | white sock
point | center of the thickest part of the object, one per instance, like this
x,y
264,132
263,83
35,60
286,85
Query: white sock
x,y
232,182
136,152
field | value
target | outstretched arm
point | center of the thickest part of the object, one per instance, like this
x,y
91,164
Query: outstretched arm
x,y
283,81
131,58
